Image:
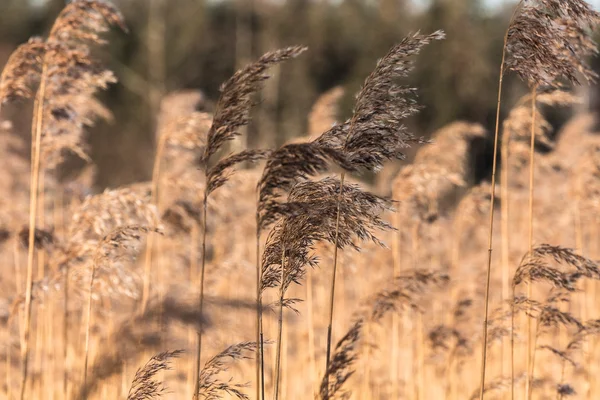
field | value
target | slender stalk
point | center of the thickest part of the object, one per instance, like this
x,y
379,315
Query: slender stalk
x,y
491,230
33,204
492,203
279,327
259,347
154,197
417,339
193,277
88,325
8,366
201,298
529,285
312,365
395,359
332,290
512,345
66,332
262,364
505,231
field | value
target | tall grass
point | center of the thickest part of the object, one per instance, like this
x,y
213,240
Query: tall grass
x,y
214,210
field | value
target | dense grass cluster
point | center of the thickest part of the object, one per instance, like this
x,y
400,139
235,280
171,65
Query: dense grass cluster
x,y
279,255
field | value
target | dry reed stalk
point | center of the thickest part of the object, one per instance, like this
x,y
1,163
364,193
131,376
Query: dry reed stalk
x,y
505,228
179,127
546,41
312,364
65,333
260,369
231,114
310,216
36,145
371,138
530,346
397,263
66,51
287,166
492,207
279,325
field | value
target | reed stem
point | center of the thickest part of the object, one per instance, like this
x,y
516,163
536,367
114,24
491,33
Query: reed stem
x,y
279,327
154,198
33,205
259,347
529,286
201,298
492,204
87,326
333,276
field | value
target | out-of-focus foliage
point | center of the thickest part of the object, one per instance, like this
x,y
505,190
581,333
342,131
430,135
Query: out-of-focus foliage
x,y
175,44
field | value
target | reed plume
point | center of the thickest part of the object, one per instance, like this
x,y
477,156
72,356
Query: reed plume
x,y
536,266
22,71
179,127
310,217
232,113
375,133
64,105
211,386
145,386
109,249
546,41
287,166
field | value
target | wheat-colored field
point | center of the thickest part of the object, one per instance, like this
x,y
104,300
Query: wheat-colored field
x,y
279,273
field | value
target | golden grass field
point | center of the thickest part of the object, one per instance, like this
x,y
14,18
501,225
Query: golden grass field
x,y
171,288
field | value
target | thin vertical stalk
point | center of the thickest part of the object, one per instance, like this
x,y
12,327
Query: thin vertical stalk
x,y
259,347
88,322
33,204
505,231
65,332
395,359
154,198
156,74
193,278
529,285
417,342
312,365
492,203
8,366
512,345
201,297
491,232
40,332
279,327
333,276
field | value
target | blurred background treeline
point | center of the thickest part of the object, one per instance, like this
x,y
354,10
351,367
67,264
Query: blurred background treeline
x,y
180,44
